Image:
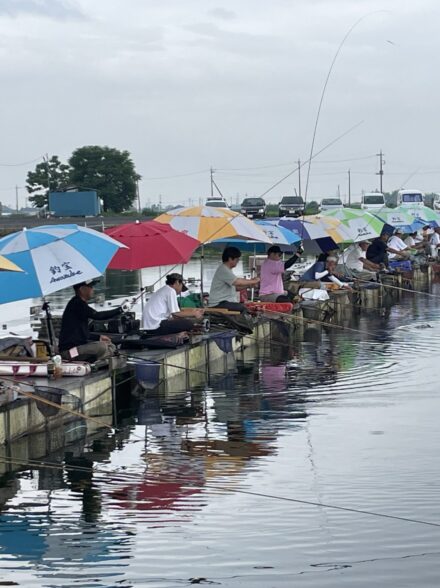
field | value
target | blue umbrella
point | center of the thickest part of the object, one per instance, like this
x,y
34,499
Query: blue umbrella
x,y
277,235
53,257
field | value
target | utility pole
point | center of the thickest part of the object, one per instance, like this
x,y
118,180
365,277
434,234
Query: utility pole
x,y
349,187
46,160
16,198
212,182
160,202
138,196
380,172
299,177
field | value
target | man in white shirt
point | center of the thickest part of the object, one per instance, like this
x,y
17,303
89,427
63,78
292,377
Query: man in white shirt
x,y
162,315
356,263
434,242
414,242
397,249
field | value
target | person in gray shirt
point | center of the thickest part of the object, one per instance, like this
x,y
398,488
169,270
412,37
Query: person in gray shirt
x,y
225,284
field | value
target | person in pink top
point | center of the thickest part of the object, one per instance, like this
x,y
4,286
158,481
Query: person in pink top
x,y
271,276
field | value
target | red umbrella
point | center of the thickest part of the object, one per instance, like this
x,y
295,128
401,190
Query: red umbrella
x,y
150,244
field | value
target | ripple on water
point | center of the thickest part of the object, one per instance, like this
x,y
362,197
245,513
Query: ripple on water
x,y
344,420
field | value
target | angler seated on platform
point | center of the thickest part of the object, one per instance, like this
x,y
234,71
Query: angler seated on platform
x,y
225,285
377,252
325,271
162,315
434,243
398,250
354,262
271,276
75,341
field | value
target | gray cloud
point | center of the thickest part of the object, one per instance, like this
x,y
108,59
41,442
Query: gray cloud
x,y
56,9
222,14
182,90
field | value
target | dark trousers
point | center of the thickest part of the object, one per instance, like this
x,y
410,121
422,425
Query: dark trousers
x,y
236,306
171,326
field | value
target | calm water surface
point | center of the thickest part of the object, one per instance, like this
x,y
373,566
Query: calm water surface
x,y
341,418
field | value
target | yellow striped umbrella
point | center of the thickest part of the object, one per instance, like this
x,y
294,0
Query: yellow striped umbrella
x,y
207,224
8,266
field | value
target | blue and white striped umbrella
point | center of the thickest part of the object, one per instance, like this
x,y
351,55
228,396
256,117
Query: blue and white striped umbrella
x,y
276,235
53,257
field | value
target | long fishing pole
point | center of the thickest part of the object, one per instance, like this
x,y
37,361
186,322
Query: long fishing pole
x,y
293,317
405,289
16,388
327,79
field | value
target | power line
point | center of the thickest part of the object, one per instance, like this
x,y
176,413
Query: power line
x,y
345,160
313,157
195,173
22,163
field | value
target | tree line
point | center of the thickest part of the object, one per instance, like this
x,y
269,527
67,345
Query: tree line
x,y
107,170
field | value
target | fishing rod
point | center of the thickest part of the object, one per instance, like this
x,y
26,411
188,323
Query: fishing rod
x,y
405,289
16,388
215,487
292,317
321,101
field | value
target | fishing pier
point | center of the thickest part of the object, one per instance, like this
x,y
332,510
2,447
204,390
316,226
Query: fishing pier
x,y
39,416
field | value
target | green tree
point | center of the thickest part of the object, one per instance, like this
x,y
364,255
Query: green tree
x,y
109,171
49,174
312,207
391,198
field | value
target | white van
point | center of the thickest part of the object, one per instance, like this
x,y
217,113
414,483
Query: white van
x,y
372,200
410,198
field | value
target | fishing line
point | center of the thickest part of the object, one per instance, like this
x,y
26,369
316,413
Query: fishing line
x,y
169,479
325,505
327,79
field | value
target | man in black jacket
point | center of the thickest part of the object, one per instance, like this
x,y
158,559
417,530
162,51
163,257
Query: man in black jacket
x,y
75,340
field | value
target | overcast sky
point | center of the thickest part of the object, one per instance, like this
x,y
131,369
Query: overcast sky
x,y
188,84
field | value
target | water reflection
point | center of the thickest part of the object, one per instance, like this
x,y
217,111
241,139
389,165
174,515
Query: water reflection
x,y
145,505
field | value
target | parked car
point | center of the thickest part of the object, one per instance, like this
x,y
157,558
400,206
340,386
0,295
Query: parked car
x,y
372,200
253,207
291,206
331,204
217,203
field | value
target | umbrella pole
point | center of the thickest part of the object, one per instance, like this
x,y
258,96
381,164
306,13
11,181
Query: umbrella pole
x,y
253,269
201,275
50,332
141,287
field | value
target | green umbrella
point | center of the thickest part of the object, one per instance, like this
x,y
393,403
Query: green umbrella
x,y
420,212
396,217
361,224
